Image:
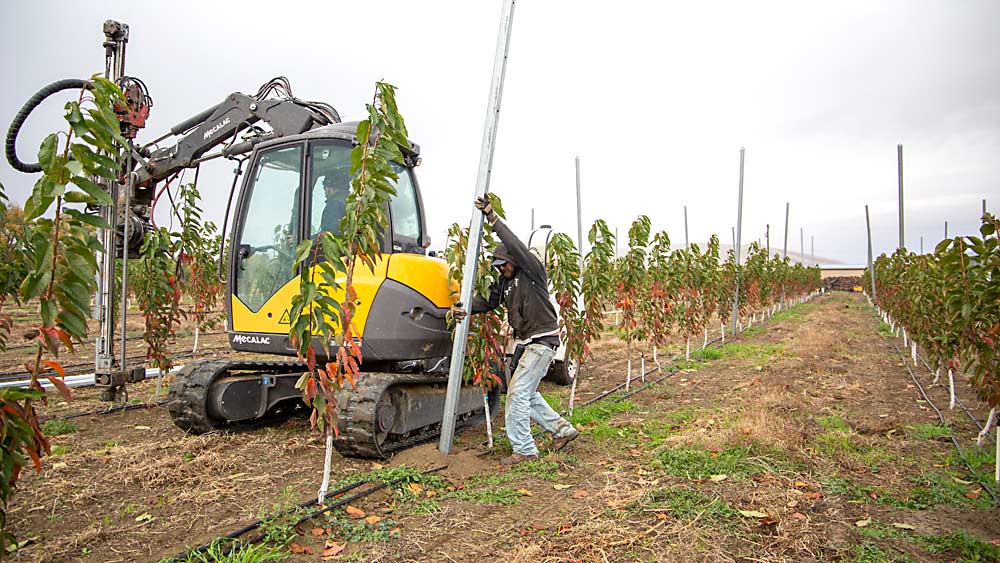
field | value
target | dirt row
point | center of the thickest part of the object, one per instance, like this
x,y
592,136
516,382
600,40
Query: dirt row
x,y
801,441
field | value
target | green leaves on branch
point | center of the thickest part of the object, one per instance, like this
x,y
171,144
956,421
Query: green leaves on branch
x,y
949,302
324,306
484,349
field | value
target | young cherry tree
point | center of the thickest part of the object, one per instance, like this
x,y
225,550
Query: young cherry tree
x,y
316,312
632,284
662,292
485,343
62,266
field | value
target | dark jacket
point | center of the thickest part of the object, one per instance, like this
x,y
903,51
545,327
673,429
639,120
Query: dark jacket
x,y
529,311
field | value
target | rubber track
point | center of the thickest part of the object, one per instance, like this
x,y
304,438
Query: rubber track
x,y
188,396
356,414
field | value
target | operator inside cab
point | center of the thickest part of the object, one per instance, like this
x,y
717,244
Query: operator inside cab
x,y
335,187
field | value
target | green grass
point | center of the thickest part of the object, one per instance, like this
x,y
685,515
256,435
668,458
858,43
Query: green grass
x,y
932,489
58,427
928,431
345,529
253,553
697,462
751,351
793,314
971,548
685,504
832,423
868,552
707,354
884,329
61,450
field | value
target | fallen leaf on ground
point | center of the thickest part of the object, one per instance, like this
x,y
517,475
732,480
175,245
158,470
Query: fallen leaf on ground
x,y
753,514
813,496
580,494
332,548
961,481
143,428
903,526
863,523
800,485
415,487
799,516
561,487
372,520
318,532
768,520
296,548
719,478
661,516
525,492
973,494
377,465
429,494
354,512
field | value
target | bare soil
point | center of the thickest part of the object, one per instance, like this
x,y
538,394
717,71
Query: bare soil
x,y
809,424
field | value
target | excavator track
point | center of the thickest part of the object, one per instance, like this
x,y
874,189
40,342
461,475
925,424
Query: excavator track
x,y
365,415
187,400
359,412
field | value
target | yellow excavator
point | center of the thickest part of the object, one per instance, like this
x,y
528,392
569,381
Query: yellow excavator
x,y
297,155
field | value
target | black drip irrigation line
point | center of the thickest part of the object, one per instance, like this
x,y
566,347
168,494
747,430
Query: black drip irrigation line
x,y
961,452
127,339
326,508
959,402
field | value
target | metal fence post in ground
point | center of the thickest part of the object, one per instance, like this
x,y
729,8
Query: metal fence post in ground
x,y
687,243
739,227
476,228
871,266
899,159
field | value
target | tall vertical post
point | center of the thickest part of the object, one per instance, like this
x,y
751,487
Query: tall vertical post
x,y
476,227
899,160
984,207
785,247
579,217
946,229
921,244
871,265
616,242
802,245
812,248
767,239
687,242
733,230
739,229
532,218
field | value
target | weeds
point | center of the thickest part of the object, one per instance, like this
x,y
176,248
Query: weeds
x,y
498,495
277,524
244,553
868,552
58,427
685,504
970,547
698,462
929,431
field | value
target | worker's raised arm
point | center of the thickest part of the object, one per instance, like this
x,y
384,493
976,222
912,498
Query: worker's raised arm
x,y
517,249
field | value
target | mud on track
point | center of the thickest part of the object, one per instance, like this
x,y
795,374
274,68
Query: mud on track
x,y
811,419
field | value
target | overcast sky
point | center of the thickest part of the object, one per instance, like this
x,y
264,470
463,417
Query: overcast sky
x,y
655,98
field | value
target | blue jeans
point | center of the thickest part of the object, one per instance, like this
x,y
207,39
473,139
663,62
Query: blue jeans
x,y
525,403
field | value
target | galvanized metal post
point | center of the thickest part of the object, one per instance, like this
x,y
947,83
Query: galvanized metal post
x,y
946,229
767,239
579,217
871,265
785,247
739,228
984,207
899,159
802,245
532,219
476,228
812,247
687,243
921,244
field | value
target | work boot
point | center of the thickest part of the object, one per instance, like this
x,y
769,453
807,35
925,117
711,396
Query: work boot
x,y
516,458
562,441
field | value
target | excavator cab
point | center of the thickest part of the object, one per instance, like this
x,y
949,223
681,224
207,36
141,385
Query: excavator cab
x,y
296,188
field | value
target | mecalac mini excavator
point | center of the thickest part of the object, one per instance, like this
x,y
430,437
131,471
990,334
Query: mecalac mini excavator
x,y
298,157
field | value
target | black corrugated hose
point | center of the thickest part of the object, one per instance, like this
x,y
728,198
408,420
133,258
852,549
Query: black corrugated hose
x,y
22,115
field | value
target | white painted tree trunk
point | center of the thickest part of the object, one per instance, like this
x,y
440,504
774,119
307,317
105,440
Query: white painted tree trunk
x,y
655,360
572,388
937,376
951,388
986,428
996,475
913,352
905,343
196,331
687,351
704,343
325,486
489,422
722,331
642,367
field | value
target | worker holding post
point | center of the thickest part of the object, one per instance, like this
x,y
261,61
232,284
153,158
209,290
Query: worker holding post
x,y
523,288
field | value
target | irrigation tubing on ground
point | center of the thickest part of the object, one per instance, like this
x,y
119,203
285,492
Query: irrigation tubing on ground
x,y
342,502
110,410
77,369
129,338
959,402
961,452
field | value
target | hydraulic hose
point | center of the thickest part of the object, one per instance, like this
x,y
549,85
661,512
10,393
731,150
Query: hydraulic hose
x,y
22,115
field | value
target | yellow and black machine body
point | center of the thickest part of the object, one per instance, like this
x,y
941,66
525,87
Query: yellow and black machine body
x,y
294,188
